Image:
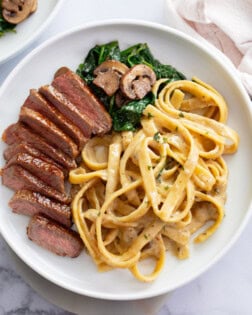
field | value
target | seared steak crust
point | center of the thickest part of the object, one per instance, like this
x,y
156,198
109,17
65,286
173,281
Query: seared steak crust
x,y
19,132
29,203
17,178
54,237
54,124
25,147
48,173
76,90
48,130
68,109
38,103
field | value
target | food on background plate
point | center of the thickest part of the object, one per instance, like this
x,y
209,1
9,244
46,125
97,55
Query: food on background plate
x,y
149,147
13,12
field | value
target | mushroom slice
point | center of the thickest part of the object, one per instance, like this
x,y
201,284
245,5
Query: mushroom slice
x,y
15,11
120,99
34,7
137,82
108,75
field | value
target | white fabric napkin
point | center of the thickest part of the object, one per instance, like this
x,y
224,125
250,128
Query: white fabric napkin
x,y
227,24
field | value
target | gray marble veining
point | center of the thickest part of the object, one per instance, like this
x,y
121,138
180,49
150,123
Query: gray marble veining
x,y
17,297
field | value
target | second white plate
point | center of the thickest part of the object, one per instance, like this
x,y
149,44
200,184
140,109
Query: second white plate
x,y
26,32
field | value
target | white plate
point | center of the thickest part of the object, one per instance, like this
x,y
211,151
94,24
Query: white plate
x,y
79,304
80,275
26,32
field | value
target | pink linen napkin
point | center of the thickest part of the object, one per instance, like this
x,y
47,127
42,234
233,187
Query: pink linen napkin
x,y
227,24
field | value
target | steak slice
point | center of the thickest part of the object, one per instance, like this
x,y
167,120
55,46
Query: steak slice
x,y
17,178
18,132
25,147
29,203
54,237
47,172
48,130
76,90
38,103
68,109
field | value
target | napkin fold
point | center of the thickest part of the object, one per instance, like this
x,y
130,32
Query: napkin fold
x,y
227,24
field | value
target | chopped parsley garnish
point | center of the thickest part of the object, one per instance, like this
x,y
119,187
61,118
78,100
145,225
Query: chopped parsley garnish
x,y
149,115
156,136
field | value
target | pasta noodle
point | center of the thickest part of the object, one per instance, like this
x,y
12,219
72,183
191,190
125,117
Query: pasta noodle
x,y
144,192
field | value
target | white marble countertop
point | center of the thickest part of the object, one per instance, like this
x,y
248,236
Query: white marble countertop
x,y
225,289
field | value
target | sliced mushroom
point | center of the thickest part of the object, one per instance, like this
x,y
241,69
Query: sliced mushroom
x,y
120,99
15,11
35,6
108,75
137,82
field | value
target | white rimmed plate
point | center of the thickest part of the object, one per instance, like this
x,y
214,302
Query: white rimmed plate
x,y
26,32
80,275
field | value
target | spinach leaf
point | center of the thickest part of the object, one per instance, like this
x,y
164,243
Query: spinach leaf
x,y
128,116
95,57
103,97
141,53
4,25
137,54
167,71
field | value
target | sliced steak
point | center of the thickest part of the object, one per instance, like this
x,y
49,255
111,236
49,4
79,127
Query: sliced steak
x,y
68,109
54,237
77,91
42,125
38,103
17,178
29,203
25,147
47,172
19,132
61,71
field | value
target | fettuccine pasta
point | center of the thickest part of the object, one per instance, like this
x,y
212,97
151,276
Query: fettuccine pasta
x,y
142,193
